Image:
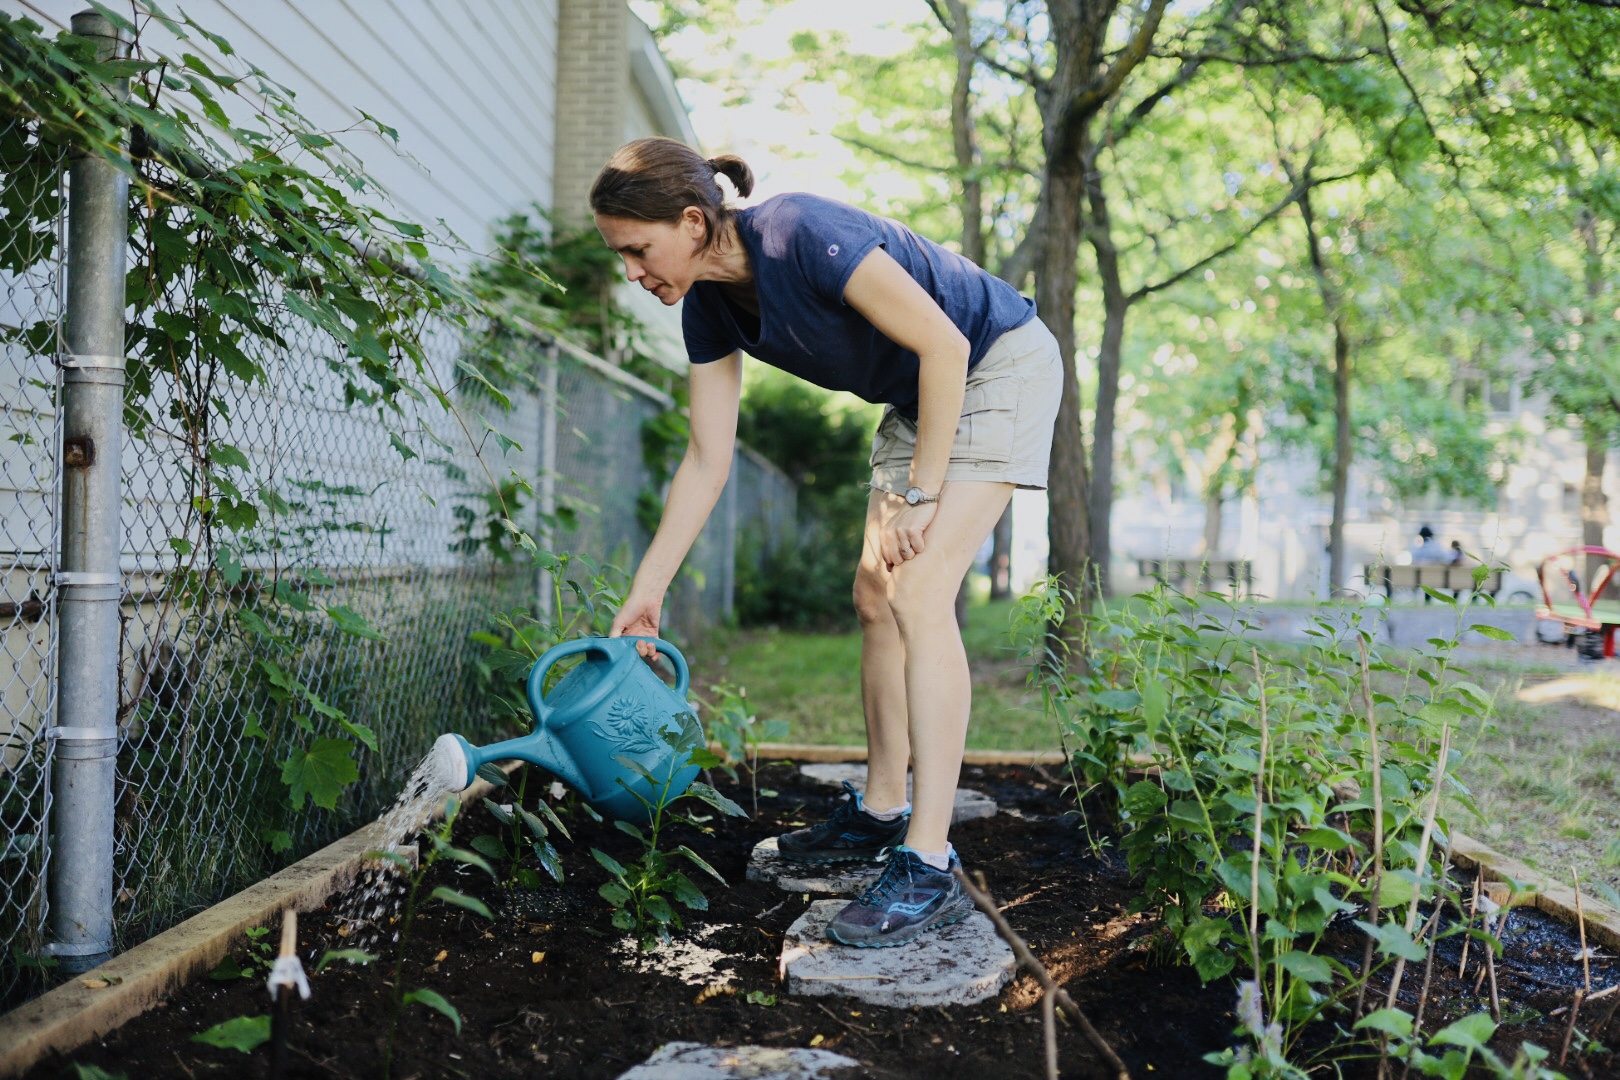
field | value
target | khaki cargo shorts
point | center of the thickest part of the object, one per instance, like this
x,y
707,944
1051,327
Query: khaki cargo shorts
x,y
1008,413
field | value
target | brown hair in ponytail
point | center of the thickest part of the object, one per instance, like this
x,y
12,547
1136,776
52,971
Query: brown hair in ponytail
x,y
656,179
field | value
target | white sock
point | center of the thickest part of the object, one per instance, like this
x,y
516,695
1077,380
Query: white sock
x,y
888,815
941,861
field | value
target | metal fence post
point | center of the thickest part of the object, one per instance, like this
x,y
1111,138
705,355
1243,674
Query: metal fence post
x,y
546,535
87,580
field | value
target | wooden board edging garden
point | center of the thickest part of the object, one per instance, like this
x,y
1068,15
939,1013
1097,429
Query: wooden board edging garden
x,y
104,998
814,753
1537,889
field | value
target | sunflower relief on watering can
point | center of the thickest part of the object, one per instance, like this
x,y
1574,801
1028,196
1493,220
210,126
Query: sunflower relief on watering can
x,y
610,710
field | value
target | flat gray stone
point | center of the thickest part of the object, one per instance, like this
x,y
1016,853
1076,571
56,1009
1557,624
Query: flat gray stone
x,y
970,804
956,965
766,864
694,1061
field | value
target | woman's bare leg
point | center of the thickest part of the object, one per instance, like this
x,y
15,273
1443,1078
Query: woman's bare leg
x,y
914,674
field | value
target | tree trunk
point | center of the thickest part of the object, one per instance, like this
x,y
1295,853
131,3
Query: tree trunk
x,y
1594,503
1341,453
1056,277
1214,504
1100,496
965,144
1001,556
1342,446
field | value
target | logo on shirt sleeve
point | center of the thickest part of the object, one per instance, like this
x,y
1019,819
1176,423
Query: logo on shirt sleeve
x,y
832,249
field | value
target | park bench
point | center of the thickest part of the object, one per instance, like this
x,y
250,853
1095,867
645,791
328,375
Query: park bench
x,y
1456,580
1191,574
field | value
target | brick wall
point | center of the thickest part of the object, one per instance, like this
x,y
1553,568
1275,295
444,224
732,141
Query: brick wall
x,y
593,93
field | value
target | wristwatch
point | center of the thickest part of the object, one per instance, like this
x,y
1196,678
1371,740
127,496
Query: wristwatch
x,y
916,496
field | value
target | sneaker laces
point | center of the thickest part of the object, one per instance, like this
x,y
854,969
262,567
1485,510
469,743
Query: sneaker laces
x,y
889,883
842,816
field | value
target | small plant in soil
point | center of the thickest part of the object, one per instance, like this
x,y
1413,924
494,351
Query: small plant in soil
x,y
258,955
740,733
439,847
523,833
641,892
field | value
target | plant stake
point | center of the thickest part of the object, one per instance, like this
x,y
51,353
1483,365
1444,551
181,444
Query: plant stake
x,y
286,975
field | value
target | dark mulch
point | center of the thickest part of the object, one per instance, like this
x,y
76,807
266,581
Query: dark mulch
x,y
585,1010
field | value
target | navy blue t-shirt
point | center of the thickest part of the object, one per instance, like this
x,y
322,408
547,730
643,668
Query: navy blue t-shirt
x,y
803,249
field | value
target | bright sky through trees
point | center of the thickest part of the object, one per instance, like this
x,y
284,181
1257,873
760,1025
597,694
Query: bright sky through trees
x,y
783,130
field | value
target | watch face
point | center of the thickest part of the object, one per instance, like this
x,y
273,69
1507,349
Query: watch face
x,y
914,496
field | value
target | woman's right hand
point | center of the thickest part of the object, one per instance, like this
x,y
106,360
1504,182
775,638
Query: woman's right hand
x,y
639,618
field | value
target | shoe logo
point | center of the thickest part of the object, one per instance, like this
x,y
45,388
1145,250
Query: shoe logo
x,y
902,908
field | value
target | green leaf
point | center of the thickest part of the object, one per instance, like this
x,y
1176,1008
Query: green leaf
x,y
498,812
1305,966
608,862
320,772
630,830
361,732
697,860
465,857
1471,1033
659,909
1143,799
1327,838
707,794
229,968
549,860
551,816
687,893
433,1000
228,456
614,893
536,827
461,900
348,956
243,1033
489,846
352,622
1118,700
1495,633
1155,705
1393,940
1389,1021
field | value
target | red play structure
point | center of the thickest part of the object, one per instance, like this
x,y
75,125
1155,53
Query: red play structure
x,y
1595,610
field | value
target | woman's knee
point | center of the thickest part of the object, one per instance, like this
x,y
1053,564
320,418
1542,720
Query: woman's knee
x,y
871,597
918,598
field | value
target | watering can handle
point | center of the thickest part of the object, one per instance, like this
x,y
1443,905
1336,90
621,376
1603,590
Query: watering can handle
x,y
594,699
683,678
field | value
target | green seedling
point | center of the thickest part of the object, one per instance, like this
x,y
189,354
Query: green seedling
x,y
439,847
640,893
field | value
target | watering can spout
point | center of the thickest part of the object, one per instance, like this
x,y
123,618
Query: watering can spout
x,y
456,761
604,729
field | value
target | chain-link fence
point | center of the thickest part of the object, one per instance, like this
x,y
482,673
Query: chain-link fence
x,y
32,188
374,543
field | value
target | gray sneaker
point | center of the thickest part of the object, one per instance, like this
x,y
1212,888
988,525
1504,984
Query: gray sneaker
x,y
910,898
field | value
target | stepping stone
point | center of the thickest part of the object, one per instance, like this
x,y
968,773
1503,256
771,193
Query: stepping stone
x,y
957,965
766,864
969,804
694,1061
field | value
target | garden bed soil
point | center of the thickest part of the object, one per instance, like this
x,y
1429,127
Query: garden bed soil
x,y
549,988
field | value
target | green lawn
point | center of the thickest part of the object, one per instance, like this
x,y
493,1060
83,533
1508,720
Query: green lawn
x,y
813,682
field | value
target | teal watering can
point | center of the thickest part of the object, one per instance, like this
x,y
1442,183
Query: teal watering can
x,y
610,706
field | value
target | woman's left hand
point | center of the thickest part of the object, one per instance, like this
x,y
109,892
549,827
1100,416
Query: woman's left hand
x,y
905,534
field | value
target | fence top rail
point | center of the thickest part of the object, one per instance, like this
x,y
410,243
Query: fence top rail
x,y
592,361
